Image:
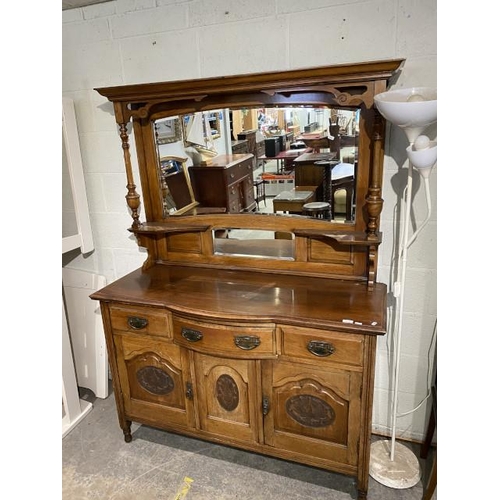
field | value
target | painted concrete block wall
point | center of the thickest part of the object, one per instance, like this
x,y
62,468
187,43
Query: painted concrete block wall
x,y
137,41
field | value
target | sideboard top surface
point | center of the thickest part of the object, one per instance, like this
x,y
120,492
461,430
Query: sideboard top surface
x,y
249,296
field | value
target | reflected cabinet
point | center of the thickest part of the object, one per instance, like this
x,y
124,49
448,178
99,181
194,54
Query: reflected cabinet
x,y
266,344
226,182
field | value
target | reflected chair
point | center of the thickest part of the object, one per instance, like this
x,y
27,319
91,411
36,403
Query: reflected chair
x,y
342,197
334,138
260,192
176,186
343,190
177,191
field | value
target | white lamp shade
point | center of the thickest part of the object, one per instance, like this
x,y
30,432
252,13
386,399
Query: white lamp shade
x,y
424,159
412,109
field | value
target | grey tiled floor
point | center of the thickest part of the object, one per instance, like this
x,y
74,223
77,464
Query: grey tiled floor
x,y
98,464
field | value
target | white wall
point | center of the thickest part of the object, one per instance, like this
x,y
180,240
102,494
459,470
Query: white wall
x,y
136,41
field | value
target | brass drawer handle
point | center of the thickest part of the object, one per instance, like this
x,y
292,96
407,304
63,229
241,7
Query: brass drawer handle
x,y
137,323
320,348
247,342
191,335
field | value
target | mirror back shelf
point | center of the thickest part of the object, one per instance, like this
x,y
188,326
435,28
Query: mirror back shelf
x,y
301,245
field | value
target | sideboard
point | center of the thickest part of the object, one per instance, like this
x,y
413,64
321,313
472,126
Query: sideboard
x,y
269,346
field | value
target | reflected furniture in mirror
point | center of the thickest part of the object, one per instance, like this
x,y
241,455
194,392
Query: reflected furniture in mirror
x,y
292,201
252,329
260,192
176,193
342,177
226,181
254,147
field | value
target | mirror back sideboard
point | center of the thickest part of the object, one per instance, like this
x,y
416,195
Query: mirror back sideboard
x,y
268,352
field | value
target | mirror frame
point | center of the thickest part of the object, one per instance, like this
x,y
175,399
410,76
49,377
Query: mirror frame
x,y
347,85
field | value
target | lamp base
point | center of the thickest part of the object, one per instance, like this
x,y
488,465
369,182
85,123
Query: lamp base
x,y
401,473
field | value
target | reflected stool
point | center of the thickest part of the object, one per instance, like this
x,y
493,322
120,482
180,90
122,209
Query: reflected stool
x,y
260,192
317,209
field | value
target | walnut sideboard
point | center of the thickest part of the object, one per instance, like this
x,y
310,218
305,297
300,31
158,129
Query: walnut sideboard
x,y
269,363
263,343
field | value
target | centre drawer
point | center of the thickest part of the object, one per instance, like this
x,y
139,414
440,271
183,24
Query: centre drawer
x,y
226,339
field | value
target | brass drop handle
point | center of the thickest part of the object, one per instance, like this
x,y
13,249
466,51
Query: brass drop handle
x,y
247,342
320,348
191,335
137,323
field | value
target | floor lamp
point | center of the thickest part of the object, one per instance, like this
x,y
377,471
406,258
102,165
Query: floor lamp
x,y
413,110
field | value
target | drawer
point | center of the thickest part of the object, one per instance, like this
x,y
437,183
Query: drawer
x,y
322,346
239,171
139,319
236,341
233,193
239,147
233,199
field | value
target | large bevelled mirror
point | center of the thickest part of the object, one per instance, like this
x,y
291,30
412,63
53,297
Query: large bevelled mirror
x,y
308,144
303,156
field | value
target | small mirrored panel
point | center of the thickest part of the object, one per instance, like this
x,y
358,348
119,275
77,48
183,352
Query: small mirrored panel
x,y
253,243
296,150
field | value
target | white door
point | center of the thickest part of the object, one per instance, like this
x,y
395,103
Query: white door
x,y
73,408
84,356
86,329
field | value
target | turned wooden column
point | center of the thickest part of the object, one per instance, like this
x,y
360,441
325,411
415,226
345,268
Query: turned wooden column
x,y
133,199
374,201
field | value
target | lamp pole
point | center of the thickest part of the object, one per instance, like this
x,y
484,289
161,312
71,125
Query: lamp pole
x,y
413,110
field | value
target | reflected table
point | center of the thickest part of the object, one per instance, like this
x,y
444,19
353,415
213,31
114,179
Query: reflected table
x,y
292,201
326,161
284,159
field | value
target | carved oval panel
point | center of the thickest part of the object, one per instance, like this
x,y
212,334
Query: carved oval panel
x,y
155,380
227,392
310,411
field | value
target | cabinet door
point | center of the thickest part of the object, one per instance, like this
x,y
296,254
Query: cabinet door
x,y
312,410
152,380
227,395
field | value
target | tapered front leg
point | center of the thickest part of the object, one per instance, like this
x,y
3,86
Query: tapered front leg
x,y
127,433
